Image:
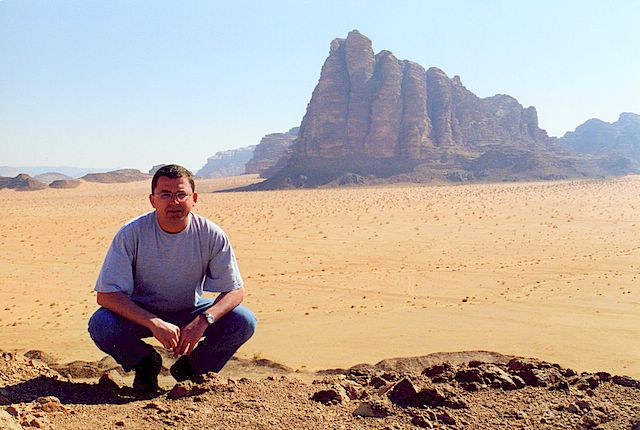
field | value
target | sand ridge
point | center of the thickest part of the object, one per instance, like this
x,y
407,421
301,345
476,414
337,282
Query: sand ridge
x,y
348,275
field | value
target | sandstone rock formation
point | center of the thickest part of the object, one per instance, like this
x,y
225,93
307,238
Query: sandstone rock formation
x,y
227,163
596,137
380,117
22,182
117,176
271,149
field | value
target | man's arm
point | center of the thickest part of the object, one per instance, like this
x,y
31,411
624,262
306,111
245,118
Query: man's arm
x,y
167,334
193,332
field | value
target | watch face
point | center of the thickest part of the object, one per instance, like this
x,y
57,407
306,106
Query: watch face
x,y
210,318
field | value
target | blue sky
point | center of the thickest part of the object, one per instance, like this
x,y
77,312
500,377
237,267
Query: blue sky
x,y
99,83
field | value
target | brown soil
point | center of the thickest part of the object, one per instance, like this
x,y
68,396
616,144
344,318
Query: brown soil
x,y
454,391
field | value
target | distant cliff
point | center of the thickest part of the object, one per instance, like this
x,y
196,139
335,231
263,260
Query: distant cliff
x,y
271,149
227,163
378,117
596,137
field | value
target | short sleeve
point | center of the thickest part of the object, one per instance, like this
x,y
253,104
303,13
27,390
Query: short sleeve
x,y
223,274
116,274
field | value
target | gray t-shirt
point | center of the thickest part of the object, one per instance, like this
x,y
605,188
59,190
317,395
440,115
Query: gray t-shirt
x,y
168,272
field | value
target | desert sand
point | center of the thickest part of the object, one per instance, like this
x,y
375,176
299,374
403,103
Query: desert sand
x,y
344,276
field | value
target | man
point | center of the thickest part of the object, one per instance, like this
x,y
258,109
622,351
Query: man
x,y
151,284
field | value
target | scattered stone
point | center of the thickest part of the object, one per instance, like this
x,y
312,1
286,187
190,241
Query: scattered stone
x,y
120,423
625,381
185,389
373,408
331,396
12,410
35,423
440,372
353,389
445,418
636,425
469,376
404,393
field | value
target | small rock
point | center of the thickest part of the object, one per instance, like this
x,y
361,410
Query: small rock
x,y
331,396
47,399
431,397
53,407
35,423
440,372
377,382
445,418
469,375
636,425
120,423
471,386
625,381
12,410
185,389
374,408
404,393
353,389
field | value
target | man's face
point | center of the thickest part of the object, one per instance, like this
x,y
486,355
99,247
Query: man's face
x,y
173,200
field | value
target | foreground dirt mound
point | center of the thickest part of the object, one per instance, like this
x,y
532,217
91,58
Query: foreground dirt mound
x,y
516,394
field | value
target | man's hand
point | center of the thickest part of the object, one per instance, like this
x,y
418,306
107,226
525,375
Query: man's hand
x,y
166,333
190,335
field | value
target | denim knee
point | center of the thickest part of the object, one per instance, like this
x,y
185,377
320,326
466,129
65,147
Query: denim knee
x,y
244,323
103,326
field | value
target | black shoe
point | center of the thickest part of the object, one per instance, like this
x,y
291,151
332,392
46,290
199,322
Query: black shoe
x,y
182,370
147,371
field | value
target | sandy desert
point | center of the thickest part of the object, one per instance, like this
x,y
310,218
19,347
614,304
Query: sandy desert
x,y
355,275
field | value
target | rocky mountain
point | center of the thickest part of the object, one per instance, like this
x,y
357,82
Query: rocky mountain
x,y
597,137
117,176
22,182
271,149
227,163
376,116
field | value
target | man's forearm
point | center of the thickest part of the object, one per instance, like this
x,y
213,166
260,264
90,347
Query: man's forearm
x,y
122,305
226,302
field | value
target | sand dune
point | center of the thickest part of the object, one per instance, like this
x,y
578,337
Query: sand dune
x,y
342,276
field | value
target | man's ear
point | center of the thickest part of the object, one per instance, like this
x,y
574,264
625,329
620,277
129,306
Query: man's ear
x,y
152,200
195,197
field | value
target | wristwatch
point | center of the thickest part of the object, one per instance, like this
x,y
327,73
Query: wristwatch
x,y
208,317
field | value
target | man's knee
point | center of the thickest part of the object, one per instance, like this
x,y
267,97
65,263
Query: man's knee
x,y
104,325
243,322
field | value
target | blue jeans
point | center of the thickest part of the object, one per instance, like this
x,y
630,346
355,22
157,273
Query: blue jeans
x,y
122,338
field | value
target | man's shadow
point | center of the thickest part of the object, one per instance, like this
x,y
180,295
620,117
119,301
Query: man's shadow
x,y
73,392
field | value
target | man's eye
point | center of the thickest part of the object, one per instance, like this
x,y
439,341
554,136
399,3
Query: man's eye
x,y
181,196
165,195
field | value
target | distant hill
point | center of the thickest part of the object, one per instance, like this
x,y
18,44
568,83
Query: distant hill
x,y
227,163
50,177
117,176
596,137
73,172
22,182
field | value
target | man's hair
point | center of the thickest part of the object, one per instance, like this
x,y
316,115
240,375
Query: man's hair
x,y
172,171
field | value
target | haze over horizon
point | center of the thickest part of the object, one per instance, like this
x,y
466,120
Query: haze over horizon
x,y
102,84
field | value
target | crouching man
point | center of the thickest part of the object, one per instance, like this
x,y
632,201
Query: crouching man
x,y
151,284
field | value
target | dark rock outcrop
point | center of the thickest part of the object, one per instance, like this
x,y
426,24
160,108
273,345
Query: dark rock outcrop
x,y
227,163
65,183
270,151
620,139
377,116
22,182
117,176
